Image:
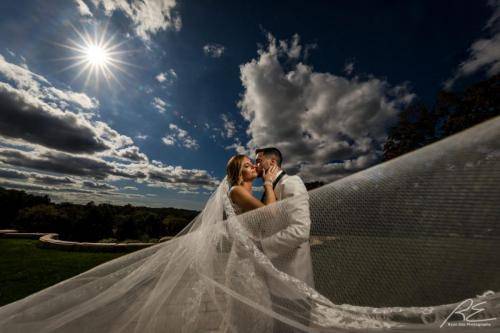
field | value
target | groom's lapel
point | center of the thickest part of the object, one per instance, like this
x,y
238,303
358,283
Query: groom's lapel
x,y
278,187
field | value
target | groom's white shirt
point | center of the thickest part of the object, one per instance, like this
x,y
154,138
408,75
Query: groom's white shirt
x,y
289,248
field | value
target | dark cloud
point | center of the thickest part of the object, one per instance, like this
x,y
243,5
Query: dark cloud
x,y
41,188
53,161
35,177
13,174
155,174
214,50
52,180
35,112
23,117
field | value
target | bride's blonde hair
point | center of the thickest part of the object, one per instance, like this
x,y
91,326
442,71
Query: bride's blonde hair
x,y
234,170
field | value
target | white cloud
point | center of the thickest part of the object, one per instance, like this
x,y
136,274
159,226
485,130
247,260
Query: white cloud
x,y
162,77
161,175
83,8
349,68
132,153
148,16
168,77
292,49
180,137
229,126
80,99
159,104
22,77
314,118
214,50
12,54
484,53
238,147
39,87
169,140
141,136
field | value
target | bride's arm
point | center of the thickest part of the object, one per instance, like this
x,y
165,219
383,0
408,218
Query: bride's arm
x,y
270,195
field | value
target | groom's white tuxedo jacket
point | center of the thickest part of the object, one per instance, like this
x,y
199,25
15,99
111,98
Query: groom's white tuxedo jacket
x,y
286,240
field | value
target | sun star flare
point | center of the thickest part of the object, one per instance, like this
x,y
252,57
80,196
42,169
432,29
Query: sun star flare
x,y
98,56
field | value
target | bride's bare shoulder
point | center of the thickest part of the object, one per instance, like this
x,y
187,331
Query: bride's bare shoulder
x,y
237,192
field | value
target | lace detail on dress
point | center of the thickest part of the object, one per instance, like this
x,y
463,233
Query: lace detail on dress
x,y
241,274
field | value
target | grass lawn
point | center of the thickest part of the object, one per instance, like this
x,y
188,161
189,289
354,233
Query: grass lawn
x,y
25,268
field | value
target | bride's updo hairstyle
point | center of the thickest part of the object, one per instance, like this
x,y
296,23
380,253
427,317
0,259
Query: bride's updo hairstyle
x,y
234,170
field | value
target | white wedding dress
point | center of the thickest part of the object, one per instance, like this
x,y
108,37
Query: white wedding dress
x,y
242,275
397,247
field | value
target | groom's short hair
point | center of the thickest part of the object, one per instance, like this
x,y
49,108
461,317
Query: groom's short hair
x,y
271,151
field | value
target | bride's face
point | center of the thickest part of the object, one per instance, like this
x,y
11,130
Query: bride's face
x,y
248,170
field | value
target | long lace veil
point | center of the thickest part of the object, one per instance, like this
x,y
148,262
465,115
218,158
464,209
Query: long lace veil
x,y
400,246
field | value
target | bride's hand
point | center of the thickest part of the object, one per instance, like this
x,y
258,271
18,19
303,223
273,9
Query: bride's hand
x,y
270,174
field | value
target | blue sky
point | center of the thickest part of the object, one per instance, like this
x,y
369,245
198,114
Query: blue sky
x,y
196,82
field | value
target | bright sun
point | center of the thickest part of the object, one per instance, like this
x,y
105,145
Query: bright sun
x,y
95,55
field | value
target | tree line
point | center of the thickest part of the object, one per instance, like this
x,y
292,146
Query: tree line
x,y
419,125
91,222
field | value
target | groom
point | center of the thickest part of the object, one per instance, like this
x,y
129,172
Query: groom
x,y
287,243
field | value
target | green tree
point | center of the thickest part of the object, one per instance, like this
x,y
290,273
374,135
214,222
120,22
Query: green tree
x,y
12,201
453,112
415,129
40,218
174,224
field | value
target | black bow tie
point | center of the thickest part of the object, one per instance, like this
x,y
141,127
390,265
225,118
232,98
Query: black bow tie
x,y
274,184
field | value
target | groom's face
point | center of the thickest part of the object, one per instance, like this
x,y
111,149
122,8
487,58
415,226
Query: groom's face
x,y
262,163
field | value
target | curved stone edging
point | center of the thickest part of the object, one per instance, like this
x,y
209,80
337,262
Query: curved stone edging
x,y
52,241
12,233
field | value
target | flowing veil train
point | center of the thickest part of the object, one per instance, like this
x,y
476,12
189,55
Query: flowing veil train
x,y
399,246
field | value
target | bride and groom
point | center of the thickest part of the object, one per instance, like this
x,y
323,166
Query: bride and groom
x,y
284,240
266,274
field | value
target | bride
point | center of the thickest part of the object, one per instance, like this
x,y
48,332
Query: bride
x,y
241,173
241,273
